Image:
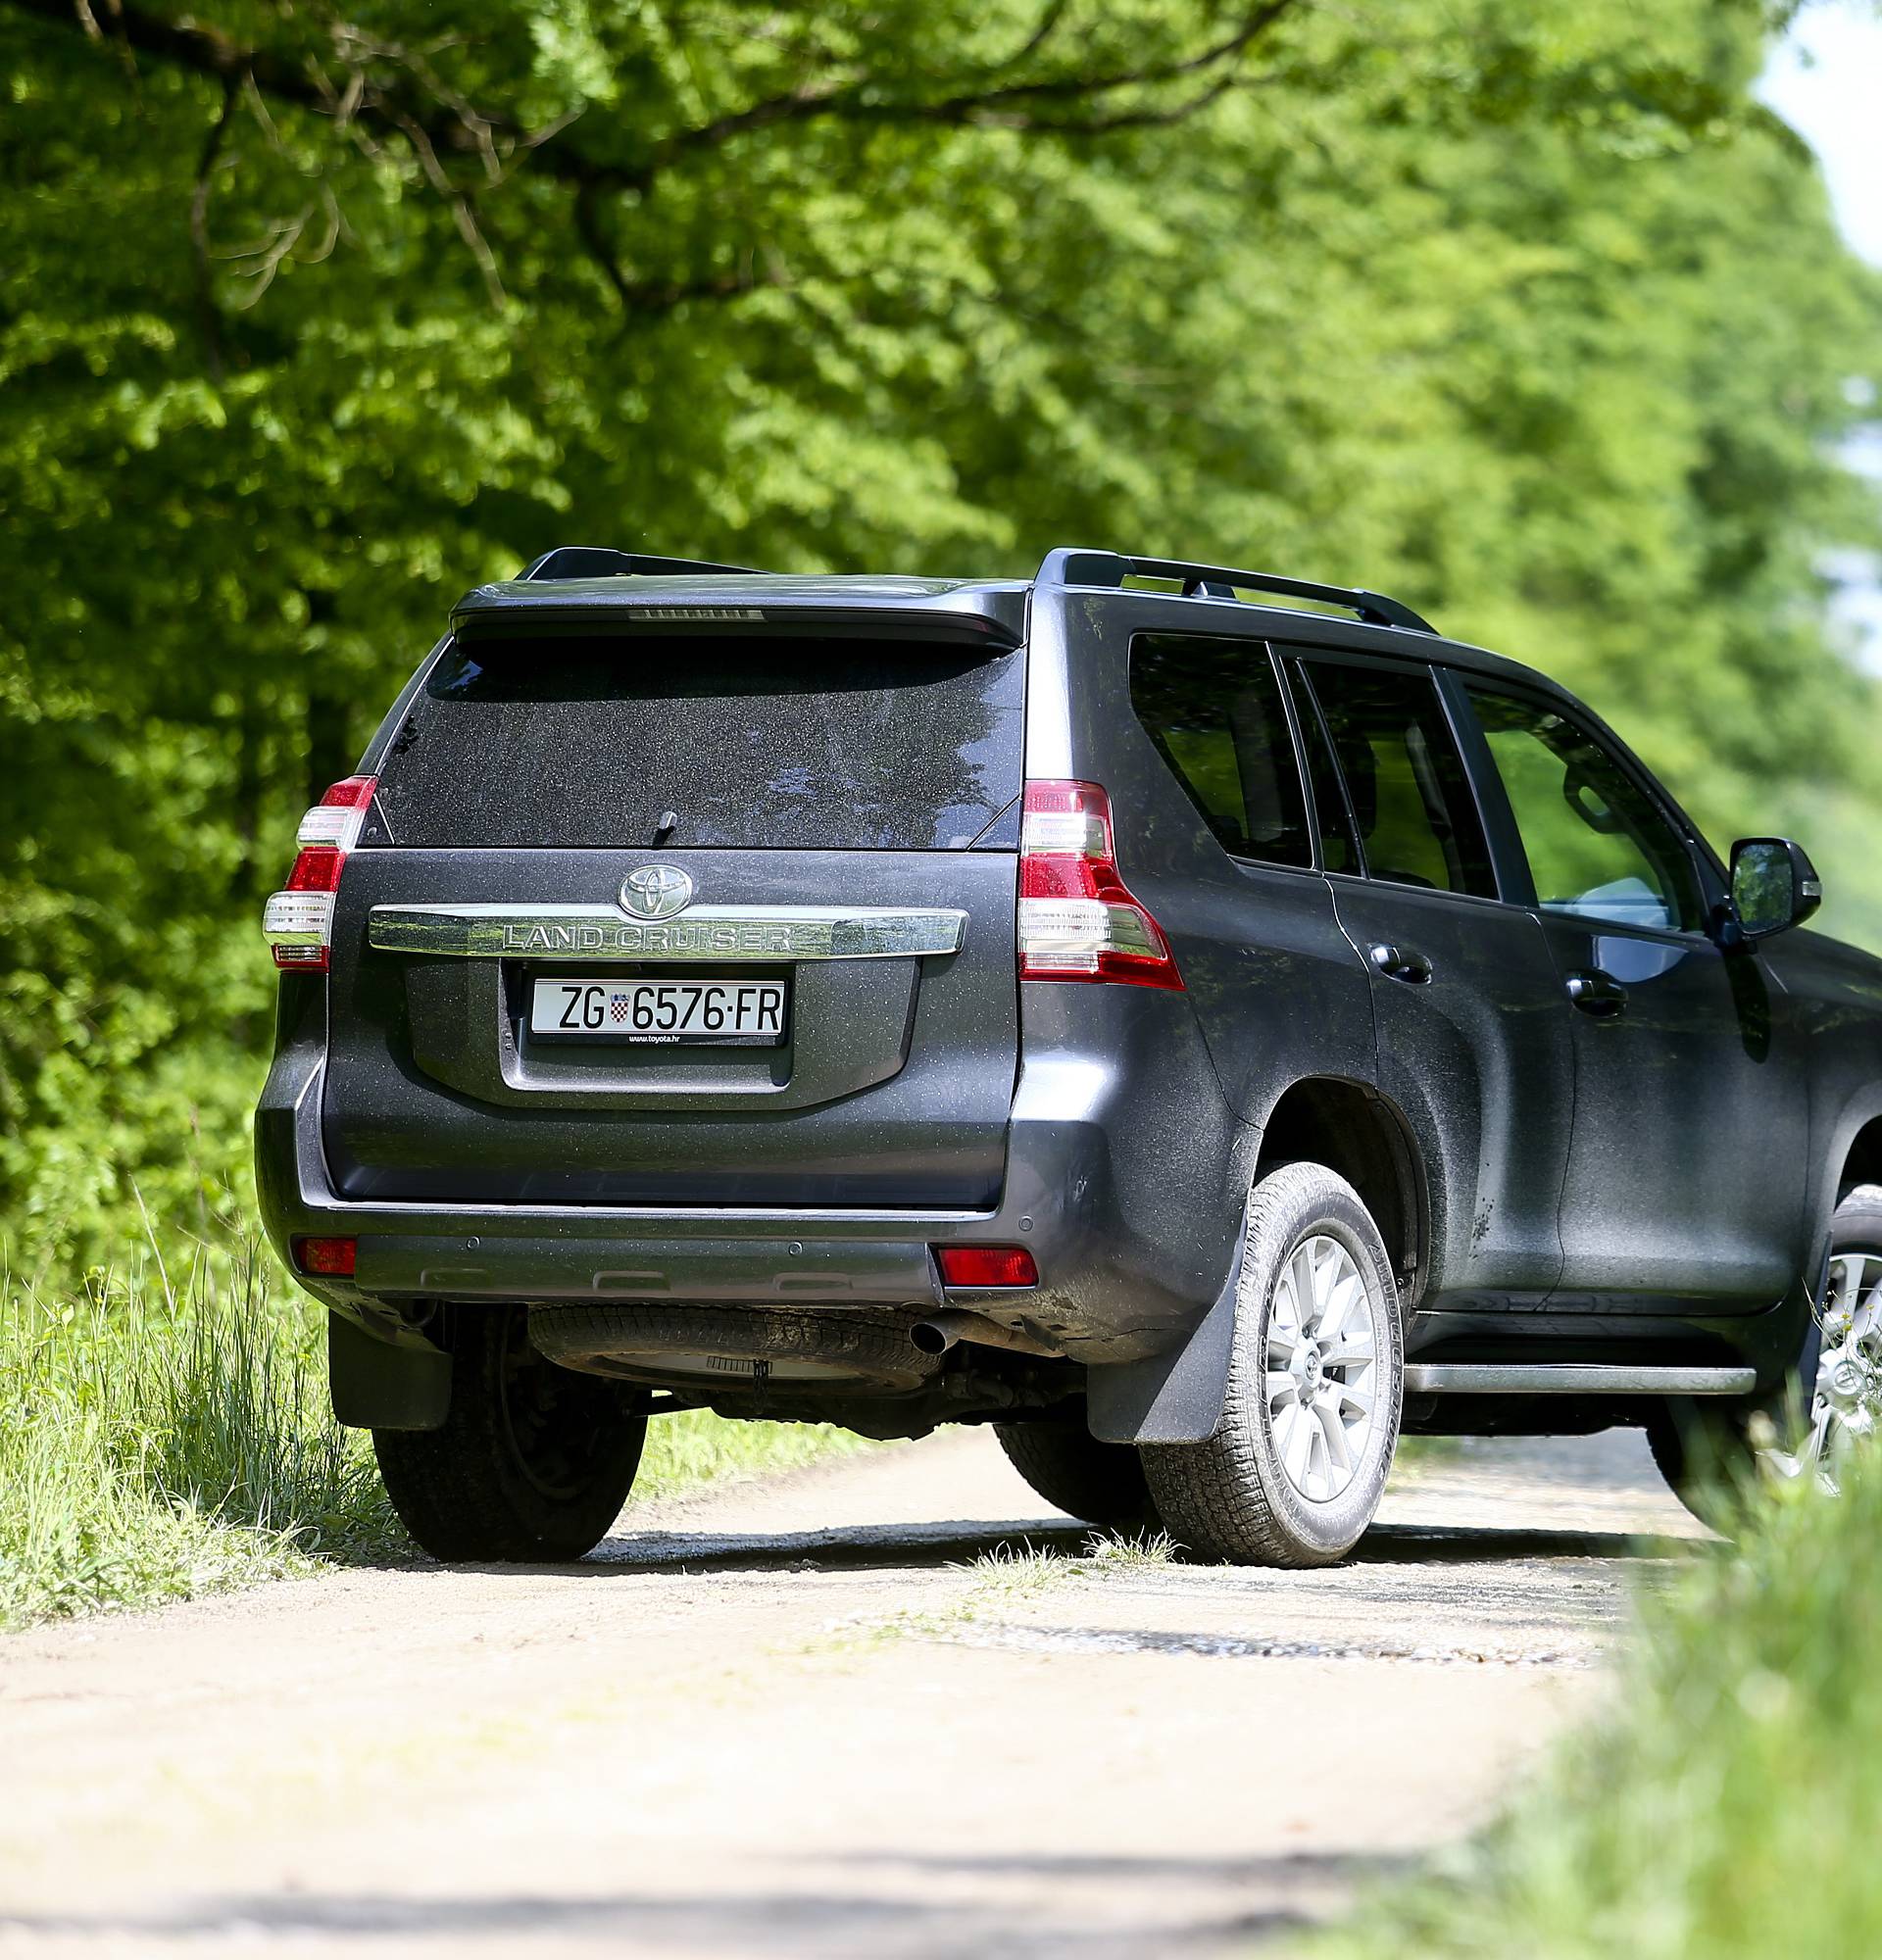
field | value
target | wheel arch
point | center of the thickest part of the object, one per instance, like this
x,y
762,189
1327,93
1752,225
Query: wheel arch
x,y
1861,1159
1354,1129
1177,1396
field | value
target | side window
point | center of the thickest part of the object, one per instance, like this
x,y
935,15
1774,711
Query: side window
x,y
1339,846
1597,845
1213,710
1404,776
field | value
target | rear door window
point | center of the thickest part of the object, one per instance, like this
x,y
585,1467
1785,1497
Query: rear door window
x,y
1213,710
1404,779
747,742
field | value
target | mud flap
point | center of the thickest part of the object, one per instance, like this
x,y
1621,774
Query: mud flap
x,y
376,1384
1175,1396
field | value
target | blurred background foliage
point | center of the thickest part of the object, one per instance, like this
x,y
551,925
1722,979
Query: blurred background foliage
x,y
312,317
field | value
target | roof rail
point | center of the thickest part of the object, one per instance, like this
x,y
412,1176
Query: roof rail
x,y
1214,582
597,562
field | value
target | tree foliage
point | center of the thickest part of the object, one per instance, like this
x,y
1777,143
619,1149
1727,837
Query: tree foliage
x,y
309,318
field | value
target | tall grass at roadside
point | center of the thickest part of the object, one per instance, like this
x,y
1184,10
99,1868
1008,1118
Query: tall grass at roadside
x,y
157,1443
160,1441
1730,1803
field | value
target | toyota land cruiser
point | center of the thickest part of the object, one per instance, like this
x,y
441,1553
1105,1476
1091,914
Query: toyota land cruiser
x,y
1199,1034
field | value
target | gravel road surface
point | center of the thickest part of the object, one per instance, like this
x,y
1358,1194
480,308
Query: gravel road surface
x,y
799,1719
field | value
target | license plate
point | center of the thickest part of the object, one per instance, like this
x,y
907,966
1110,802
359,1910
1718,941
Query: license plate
x,y
748,1012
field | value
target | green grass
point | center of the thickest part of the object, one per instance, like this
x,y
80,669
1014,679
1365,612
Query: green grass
x,y
1729,1805
164,1437
158,1442
695,1446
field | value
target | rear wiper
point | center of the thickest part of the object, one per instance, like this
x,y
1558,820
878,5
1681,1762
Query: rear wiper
x,y
667,824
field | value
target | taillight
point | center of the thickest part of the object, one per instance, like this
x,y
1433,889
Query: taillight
x,y
329,1258
298,920
986,1266
1078,921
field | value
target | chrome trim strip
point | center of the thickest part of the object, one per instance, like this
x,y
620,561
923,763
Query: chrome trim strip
x,y
704,932
1571,1378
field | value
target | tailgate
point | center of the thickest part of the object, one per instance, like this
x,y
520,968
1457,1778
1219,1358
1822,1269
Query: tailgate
x,y
818,835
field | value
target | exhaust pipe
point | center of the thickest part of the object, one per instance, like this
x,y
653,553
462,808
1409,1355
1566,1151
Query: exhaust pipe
x,y
939,1332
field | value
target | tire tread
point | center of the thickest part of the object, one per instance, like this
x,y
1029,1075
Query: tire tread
x,y
1210,1495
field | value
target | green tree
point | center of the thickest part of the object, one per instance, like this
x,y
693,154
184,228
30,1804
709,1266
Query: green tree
x,y
311,318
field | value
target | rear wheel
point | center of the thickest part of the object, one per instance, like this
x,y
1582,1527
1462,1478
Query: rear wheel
x,y
1102,1483
533,1462
1311,1418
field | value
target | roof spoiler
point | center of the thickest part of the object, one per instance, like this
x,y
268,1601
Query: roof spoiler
x,y
597,562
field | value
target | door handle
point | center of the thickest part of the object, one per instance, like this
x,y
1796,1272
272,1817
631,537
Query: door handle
x,y
1400,962
1596,994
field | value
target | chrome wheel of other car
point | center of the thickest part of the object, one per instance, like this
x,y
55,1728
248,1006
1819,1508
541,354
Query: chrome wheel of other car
x,y
1319,1369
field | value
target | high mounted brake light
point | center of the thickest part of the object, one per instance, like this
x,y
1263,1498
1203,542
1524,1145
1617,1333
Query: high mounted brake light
x,y
1077,921
298,920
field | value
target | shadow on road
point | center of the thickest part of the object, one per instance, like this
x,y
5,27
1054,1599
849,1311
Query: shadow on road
x,y
876,1918
951,1542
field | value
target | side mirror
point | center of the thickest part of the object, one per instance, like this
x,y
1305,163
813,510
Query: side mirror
x,y
1774,886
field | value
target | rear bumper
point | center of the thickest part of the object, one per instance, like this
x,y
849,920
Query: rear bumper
x,y
1127,1193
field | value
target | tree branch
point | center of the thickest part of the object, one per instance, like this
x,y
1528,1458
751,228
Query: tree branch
x,y
193,44
1054,12
588,230
410,113
655,295
207,318
391,93
998,104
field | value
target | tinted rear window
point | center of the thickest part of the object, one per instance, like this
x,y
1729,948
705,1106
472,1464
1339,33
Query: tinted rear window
x,y
753,742
1212,709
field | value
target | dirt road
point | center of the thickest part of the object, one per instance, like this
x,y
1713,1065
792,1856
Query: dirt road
x,y
797,1720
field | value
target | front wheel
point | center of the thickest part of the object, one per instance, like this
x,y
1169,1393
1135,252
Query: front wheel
x,y
1706,1449
533,1462
1295,1471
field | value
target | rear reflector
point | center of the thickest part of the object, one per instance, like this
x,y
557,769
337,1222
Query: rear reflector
x,y
298,920
986,1266
326,1258
1078,921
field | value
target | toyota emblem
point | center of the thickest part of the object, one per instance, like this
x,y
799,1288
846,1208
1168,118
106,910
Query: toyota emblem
x,y
656,891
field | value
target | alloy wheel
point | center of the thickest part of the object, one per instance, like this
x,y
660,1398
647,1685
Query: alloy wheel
x,y
1319,1369
1849,1369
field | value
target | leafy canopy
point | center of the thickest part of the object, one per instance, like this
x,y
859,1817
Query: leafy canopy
x,y
309,318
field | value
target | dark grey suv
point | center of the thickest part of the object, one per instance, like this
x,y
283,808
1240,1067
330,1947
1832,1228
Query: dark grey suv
x,y
1202,1037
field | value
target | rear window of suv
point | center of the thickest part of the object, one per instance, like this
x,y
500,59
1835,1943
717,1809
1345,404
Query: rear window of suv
x,y
747,742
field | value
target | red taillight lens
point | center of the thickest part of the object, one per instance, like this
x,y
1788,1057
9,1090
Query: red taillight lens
x,y
1078,921
986,1266
324,1259
298,921
316,870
